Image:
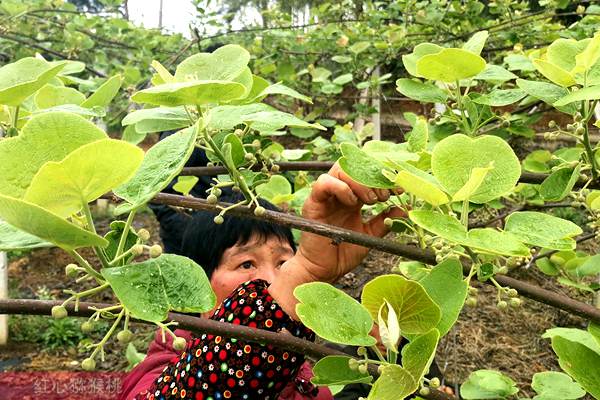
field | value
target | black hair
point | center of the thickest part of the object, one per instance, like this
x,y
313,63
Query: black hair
x,y
205,242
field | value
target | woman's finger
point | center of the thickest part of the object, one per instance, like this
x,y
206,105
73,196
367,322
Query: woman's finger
x,y
365,194
327,187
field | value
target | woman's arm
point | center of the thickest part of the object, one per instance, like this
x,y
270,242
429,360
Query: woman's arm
x,y
337,200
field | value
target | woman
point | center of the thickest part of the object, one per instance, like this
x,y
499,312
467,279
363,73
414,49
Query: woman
x,y
254,272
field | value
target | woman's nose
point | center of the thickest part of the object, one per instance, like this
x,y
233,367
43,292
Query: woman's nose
x,y
267,273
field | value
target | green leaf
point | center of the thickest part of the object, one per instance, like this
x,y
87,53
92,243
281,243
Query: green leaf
x,y
547,92
417,312
279,88
417,355
190,93
589,56
114,237
341,59
277,190
159,119
105,93
450,65
594,330
420,184
478,174
260,116
447,288
362,168
476,42
185,184
559,184
551,385
45,137
21,79
133,356
487,384
45,225
491,241
394,383
500,98
590,267
333,315
554,73
12,238
574,335
420,91
52,96
343,79
455,157
163,73
389,153
66,186
334,370
359,47
588,93
131,135
519,62
496,74
224,64
441,225
161,165
543,230
563,52
150,289
580,362
420,50
419,136
320,74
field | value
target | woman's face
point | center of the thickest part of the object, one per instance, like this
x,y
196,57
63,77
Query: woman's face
x,y
256,259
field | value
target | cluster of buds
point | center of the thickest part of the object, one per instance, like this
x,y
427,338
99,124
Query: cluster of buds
x,y
442,249
513,299
578,199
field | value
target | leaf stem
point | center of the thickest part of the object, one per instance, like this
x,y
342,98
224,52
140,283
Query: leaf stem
x,y
108,334
90,222
124,235
86,266
378,352
15,119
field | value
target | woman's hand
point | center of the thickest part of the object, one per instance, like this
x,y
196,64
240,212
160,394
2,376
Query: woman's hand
x,y
336,199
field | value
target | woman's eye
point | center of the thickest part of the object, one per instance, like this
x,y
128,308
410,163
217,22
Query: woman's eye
x,y
246,265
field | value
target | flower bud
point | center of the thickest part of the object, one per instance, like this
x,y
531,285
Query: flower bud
x,y
88,364
125,336
219,219
179,343
71,270
144,234
59,312
155,251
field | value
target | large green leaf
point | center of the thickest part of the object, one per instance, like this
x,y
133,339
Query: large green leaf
x,y
549,93
45,137
580,362
580,336
543,230
105,93
161,165
389,153
45,225
260,116
420,184
450,65
487,384
190,93
333,315
552,385
394,383
281,89
417,355
563,53
424,92
440,224
496,74
588,93
420,50
554,73
66,186
150,289
501,97
446,286
224,64
21,79
417,312
559,184
588,58
419,136
476,42
334,370
52,96
12,238
455,157
159,119
362,168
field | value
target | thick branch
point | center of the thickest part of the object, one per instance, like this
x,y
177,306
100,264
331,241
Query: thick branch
x,y
198,326
339,234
